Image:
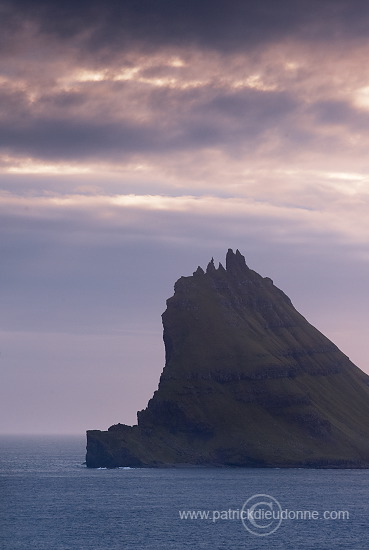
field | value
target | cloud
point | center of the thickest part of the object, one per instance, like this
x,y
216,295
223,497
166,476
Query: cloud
x,y
259,95
213,119
138,139
81,124
82,264
276,104
215,24
166,218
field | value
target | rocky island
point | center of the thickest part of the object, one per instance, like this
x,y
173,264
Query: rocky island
x,y
247,382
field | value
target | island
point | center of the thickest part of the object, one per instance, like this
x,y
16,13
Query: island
x,y
247,382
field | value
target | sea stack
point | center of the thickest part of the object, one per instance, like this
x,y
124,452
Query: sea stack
x,y
247,382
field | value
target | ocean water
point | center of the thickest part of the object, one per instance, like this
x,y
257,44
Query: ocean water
x,y
50,501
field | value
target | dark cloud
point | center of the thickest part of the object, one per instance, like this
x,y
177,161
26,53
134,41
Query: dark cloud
x,y
247,115
217,24
340,113
62,139
248,103
57,128
63,100
212,118
13,104
61,120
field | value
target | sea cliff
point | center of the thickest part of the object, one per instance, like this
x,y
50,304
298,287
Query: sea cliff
x,y
248,381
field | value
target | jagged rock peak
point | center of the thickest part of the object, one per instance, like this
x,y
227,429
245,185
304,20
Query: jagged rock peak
x,y
199,271
211,267
235,261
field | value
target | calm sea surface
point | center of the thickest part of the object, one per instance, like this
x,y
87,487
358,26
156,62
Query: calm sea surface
x,y
50,501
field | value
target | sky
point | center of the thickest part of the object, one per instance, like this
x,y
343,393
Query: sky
x,y
140,138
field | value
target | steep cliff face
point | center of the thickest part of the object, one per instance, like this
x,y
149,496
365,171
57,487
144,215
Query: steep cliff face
x,y
247,382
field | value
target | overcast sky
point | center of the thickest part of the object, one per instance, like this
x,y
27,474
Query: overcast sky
x,y
139,138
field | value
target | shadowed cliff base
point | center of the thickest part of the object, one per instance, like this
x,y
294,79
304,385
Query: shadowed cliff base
x,y
247,382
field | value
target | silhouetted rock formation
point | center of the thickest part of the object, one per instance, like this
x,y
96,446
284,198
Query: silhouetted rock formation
x,y
247,382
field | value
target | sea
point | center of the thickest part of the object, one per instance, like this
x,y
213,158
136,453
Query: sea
x,y
49,500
